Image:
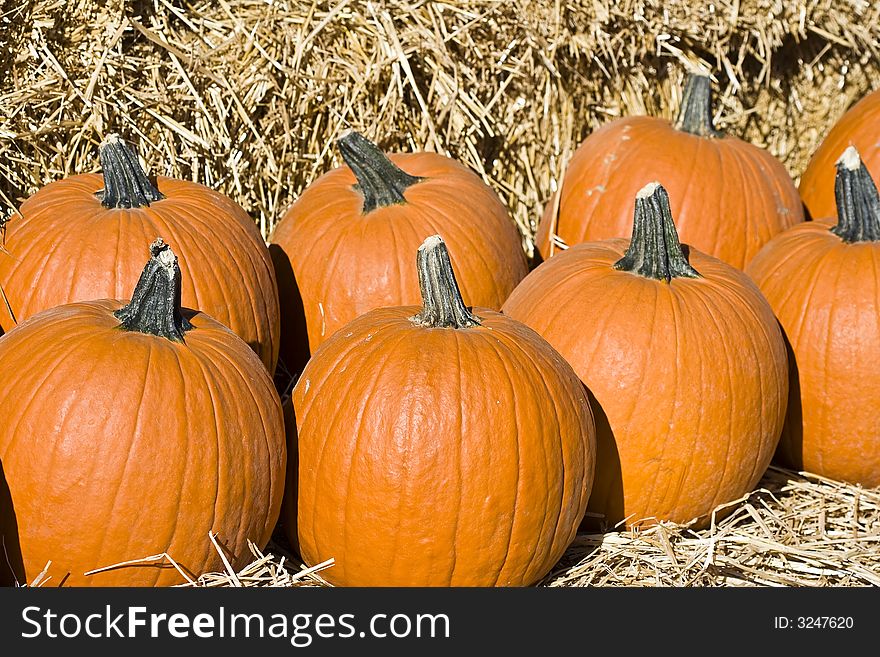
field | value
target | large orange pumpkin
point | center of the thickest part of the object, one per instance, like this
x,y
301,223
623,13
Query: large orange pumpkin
x,y
822,279
859,127
345,245
684,360
135,430
439,445
728,196
80,238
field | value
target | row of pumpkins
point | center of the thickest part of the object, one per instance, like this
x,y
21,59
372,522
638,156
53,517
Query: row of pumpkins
x,y
431,439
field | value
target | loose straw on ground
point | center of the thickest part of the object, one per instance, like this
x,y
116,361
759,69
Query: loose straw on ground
x,y
795,529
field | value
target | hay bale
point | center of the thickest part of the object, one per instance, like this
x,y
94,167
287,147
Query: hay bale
x,y
247,96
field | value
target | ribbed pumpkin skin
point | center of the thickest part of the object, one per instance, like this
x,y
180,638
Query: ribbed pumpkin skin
x,y
345,263
859,127
745,189
826,294
688,378
67,247
115,446
438,457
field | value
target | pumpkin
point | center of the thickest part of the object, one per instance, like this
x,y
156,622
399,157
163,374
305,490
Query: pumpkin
x,y
822,279
80,238
860,127
439,446
684,361
345,245
134,430
729,197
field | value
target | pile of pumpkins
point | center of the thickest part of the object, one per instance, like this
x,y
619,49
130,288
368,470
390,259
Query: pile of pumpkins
x,y
455,416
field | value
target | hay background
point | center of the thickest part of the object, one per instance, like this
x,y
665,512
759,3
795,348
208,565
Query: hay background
x,y
247,96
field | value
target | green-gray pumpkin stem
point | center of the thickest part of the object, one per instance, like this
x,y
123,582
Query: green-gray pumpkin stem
x,y
654,250
380,181
442,305
858,205
126,184
695,114
155,303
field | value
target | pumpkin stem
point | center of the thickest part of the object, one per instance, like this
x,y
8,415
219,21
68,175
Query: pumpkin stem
x,y
654,250
695,114
126,184
380,181
155,303
858,204
442,305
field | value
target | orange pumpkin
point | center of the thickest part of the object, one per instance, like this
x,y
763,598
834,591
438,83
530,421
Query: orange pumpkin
x,y
822,279
80,238
728,196
859,127
439,445
132,431
344,247
683,358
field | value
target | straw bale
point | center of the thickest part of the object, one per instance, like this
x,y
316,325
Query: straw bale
x,y
248,95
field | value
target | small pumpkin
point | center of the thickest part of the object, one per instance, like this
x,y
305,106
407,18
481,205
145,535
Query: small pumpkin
x,y
439,445
822,279
729,197
683,358
859,127
345,245
134,430
80,238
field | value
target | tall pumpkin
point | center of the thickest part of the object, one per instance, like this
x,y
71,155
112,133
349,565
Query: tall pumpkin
x,y
858,127
439,445
345,245
729,197
822,279
683,358
135,430
81,238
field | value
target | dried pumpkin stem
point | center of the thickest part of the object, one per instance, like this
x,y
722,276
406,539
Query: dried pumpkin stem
x,y
654,250
126,184
155,303
858,204
695,115
380,181
442,305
